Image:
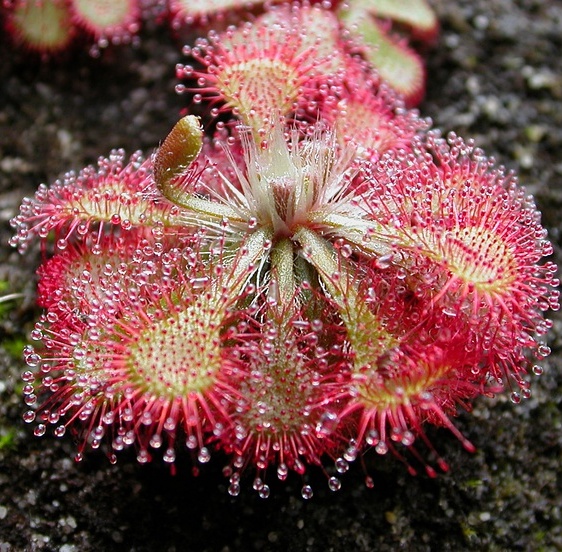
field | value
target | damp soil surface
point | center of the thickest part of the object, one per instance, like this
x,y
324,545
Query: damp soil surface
x,y
495,76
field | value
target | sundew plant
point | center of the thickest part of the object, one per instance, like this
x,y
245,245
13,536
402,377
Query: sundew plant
x,y
317,275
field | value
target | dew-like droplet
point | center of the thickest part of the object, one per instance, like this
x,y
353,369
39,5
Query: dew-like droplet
x,y
143,457
156,441
346,251
30,399
78,354
234,489
334,484
542,351
282,471
33,359
129,437
307,492
408,438
326,424
383,261
59,431
27,376
204,455
372,437
199,283
342,465
39,430
252,223
350,453
515,397
317,325
381,447
169,456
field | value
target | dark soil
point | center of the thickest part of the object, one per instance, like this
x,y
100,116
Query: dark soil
x,y
495,76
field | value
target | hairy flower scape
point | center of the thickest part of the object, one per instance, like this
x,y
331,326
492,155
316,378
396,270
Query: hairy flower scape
x,y
318,276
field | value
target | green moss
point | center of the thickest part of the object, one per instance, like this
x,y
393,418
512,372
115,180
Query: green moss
x,y
470,535
14,347
7,439
473,483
